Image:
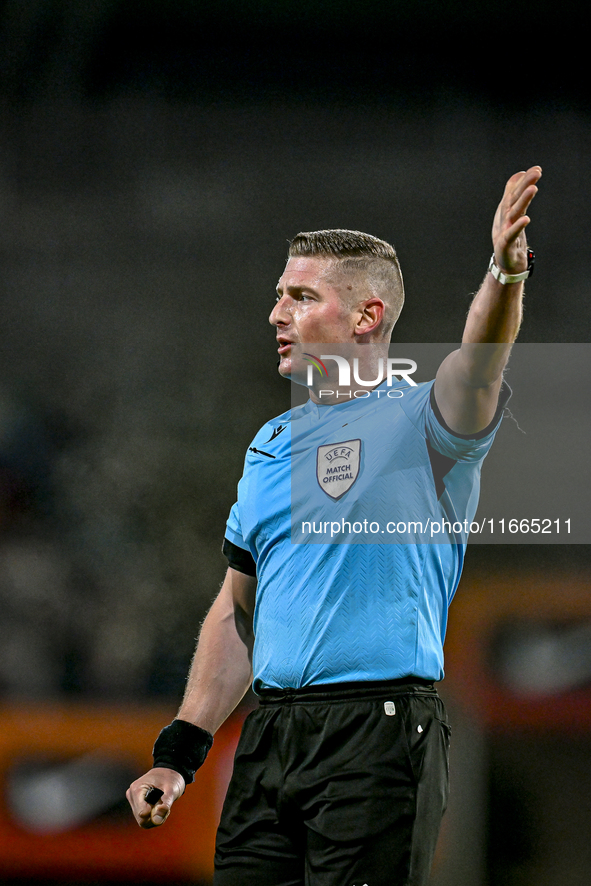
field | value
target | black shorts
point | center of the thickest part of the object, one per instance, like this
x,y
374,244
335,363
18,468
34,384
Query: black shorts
x,y
336,786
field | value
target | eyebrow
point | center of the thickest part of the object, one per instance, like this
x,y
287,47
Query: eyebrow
x,y
296,290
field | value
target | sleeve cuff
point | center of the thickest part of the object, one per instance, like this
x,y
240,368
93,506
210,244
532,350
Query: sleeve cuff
x,y
238,558
504,395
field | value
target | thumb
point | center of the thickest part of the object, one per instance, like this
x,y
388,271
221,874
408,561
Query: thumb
x,y
161,809
160,813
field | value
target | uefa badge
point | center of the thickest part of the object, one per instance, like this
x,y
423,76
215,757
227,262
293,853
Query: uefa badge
x,y
337,467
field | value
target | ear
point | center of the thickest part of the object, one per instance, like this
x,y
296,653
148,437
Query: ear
x,y
369,316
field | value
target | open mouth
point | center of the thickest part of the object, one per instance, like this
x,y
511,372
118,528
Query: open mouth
x,y
284,345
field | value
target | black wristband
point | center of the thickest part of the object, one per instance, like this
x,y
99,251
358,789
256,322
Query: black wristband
x,y
182,746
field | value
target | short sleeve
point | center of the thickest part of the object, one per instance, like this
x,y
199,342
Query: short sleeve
x,y
234,529
462,447
234,548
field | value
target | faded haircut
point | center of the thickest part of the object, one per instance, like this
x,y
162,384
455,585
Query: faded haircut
x,y
359,253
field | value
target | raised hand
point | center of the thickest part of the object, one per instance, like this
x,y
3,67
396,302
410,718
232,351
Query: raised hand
x,y
510,222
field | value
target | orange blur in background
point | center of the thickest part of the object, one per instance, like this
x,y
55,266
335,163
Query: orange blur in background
x,y
110,846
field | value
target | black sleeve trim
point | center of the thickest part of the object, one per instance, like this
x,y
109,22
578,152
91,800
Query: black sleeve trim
x,y
504,395
238,558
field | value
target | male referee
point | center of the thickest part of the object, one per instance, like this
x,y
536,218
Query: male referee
x,y
341,773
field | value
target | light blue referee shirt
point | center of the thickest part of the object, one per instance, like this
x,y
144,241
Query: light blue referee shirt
x,y
357,517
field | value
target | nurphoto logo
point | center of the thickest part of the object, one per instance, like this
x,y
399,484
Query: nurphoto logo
x,y
399,368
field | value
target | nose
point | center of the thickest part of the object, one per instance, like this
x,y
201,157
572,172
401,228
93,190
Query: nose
x,y
279,316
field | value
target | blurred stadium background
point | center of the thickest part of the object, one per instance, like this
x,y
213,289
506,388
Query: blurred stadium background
x,y
155,158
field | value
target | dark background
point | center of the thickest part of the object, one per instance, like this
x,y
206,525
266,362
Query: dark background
x,y
155,158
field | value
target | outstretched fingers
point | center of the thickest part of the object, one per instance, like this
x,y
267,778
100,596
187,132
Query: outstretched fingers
x,y
520,191
511,218
518,227
520,206
522,180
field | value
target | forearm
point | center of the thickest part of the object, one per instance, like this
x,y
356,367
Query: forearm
x,y
219,677
495,313
221,670
491,328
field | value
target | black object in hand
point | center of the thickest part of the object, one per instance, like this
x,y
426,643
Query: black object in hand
x,y
153,796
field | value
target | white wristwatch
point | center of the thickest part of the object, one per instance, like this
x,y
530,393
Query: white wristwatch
x,y
512,278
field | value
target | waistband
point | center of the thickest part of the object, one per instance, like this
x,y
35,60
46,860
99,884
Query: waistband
x,y
326,692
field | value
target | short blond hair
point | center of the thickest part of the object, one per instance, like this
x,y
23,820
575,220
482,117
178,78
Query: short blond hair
x,y
359,253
